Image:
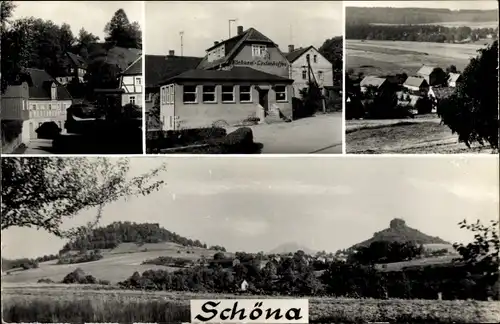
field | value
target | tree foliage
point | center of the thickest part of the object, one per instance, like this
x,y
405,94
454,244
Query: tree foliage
x,y
472,111
122,33
43,192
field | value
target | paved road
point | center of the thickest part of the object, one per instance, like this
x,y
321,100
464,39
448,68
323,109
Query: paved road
x,y
321,134
39,146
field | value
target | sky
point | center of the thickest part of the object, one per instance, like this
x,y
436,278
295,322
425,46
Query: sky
x,y
453,5
322,203
300,23
91,15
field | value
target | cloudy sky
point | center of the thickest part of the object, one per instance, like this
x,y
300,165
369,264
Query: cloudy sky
x,y
322,203
91,15
302,23
453,5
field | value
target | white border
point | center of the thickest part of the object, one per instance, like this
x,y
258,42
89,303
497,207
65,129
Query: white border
x,y
143,53
344,57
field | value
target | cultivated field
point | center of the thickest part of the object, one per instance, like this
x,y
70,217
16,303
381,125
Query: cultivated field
x,y
450,24
391,57
72,303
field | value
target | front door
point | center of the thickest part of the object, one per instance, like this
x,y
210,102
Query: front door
x,y
264,99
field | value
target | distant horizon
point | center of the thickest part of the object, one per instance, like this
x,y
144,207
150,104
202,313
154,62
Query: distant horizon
x,y
474,5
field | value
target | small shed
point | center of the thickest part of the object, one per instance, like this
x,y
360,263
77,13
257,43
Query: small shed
x,y
244,285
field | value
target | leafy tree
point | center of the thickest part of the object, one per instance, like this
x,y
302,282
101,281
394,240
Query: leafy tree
x,y
102,74
486,244
84,41
43,192
451,69
472,111
120,32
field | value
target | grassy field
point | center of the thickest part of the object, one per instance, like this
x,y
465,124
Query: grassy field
x,y
471,24
68,303
391,57
420,136
117,264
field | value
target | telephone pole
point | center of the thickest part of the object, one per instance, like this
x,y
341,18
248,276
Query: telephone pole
x,y
182,43
230,21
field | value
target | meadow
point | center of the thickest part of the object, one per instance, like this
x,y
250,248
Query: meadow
x,y
72,303
456,24
391,57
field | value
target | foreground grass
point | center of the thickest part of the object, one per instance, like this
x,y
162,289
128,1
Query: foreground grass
x,y
425,137
67,303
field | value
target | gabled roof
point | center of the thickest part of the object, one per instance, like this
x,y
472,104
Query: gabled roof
x,y
372,81
135,68
77,60
453,77
292,56
426,70
233,45
161,67
415,82
40,85
235,74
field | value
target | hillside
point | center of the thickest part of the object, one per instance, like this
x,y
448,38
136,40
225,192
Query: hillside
x,y
405,16
398,231
111,236
291,247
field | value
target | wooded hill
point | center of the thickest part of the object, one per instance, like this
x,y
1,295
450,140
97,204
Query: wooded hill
x,y
399,232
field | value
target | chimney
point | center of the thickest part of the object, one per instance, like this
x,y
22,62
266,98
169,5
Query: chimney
x,y
171,53
291,48
216,42
240,30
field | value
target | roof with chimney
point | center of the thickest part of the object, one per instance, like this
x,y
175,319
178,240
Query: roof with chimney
x,y
295,54
40,85
233,45
135,68
163,67
237,73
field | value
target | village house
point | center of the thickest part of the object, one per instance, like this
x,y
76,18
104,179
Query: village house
x,y
37,100
454,79
75,69
199,98
307,64
379,84
161,67
416,86
433,75
131,83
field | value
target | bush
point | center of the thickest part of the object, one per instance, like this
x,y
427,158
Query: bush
x,y
45,280
11,129
48,130
80,258
424,105
157,140
238,142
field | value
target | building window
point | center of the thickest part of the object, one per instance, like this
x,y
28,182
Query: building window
x,y
315,59
137,81
131,100
163,95
320,75
189,95
50,107
308,57
171,97
53,92
209,93
245,93
259,50
228,94
280,93
304,74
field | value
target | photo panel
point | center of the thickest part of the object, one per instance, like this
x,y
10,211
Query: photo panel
x,y
72,77
356,239
244,77
421,77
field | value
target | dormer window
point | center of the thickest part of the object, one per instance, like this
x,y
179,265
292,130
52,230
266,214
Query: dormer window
x,y
53,92
259,50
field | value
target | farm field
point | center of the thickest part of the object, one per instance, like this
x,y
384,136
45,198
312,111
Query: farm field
x,y
117,264
392,57
471,24
424,136
59,303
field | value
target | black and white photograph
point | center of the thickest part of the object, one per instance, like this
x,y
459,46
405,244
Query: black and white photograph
x,y
373,239
421,77
244,77
71,77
